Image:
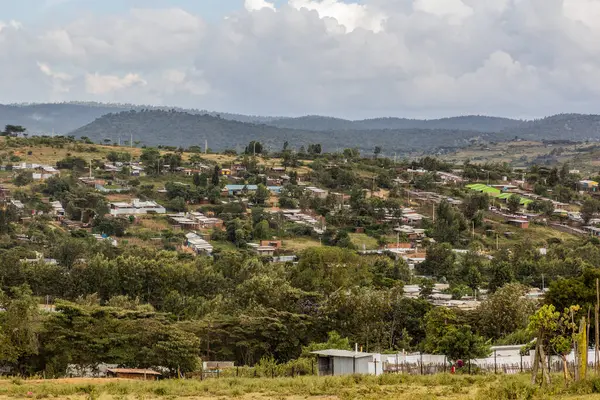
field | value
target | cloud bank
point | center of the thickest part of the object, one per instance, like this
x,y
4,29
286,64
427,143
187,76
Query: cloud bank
x,y
416,58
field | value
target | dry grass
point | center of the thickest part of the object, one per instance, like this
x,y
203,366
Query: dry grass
x,y
441,386
362,240
154,224
300,244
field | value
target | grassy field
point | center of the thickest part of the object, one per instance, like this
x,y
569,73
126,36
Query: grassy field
x,y
519,153
488,387
362,239
299,244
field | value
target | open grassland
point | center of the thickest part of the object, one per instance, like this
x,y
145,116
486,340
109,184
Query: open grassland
x,y
362,240
300,243
442,386
517,153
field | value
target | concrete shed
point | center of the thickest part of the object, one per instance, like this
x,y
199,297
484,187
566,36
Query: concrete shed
x,y
343,362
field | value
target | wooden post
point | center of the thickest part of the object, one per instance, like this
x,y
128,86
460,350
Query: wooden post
x,y
536,362
597,326
495,362
582,347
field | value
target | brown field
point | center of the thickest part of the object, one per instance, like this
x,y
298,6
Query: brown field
x,y
386,387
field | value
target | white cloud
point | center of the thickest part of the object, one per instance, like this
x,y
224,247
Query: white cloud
x,y
350,15
255,5
59,80
10,24
376,57
456,10
106,84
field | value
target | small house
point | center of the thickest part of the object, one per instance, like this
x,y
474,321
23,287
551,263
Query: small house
x,y
131,373
519,223
588,185
273,243
265,251
343,362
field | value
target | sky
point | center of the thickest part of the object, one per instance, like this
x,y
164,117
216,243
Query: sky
x,y
351,59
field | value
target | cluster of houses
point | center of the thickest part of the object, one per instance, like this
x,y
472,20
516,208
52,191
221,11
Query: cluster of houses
x,y
195,220
136,207
38,171
135,169
296,216
196,243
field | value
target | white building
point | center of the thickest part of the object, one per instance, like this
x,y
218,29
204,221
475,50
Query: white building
x,y
198,244
343,362
57,209
136,207
316,192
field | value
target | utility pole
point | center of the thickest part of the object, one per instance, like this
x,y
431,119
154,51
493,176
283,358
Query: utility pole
x,y
543,283
131,140
205,146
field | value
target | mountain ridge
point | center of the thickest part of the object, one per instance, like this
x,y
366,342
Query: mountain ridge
x,y
154,127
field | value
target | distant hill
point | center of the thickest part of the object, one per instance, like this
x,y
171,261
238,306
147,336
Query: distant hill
x,y
576,127
467,123
60,118
63,118
162,125
155,127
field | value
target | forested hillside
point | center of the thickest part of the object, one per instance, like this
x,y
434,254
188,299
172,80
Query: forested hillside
x,y
469,123
154,127
62,118
577,127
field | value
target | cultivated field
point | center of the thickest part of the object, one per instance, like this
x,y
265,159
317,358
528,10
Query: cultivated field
x,y
488,387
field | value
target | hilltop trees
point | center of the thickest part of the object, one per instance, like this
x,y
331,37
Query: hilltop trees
x,y
253,148
13,130
514,203
19,330
448,225
151,159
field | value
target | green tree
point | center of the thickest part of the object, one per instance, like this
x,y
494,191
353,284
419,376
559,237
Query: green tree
x,y
216,176
19,328
23,178
68,251
426,288
151,159
377,151
197,180
254,147
439,261
448,225
475,202
262,231
437,322
13,130
261,195
514,203
505,311
589,208
334,341
460,343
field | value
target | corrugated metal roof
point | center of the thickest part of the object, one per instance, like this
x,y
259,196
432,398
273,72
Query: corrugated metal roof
x,y
342,353
133,371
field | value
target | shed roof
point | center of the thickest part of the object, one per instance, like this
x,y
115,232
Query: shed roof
x,y
133,371
342,353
